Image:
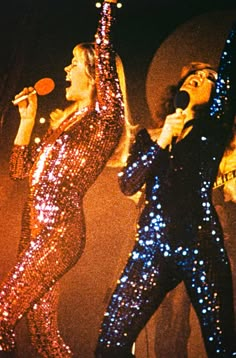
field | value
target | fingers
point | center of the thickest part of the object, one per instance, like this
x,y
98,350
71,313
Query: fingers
x,y
25,97
175,123
179,111
26,100
25,91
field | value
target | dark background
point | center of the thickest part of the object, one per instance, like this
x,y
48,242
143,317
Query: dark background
x,y
36,40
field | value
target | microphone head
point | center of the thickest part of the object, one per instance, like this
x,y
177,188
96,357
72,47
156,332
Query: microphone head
x,y
181,99
44,86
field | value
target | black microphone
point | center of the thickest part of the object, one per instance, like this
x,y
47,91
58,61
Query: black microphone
x,y
41,87
181,101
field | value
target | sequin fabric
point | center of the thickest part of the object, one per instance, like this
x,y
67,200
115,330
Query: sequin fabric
x,y
179,237
61,171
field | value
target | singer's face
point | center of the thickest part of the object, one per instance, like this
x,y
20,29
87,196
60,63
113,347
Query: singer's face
x,y
199,86
79,82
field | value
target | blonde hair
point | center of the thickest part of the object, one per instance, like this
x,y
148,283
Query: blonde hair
x,y
58,116
119,157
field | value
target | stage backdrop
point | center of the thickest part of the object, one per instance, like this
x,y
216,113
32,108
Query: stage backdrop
x,y
111,218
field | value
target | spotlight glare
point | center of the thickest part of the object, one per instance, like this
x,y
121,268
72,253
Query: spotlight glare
x,y
37,140
42,120
98,4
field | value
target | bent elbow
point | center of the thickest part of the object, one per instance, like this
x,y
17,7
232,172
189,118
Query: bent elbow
x,y
128,188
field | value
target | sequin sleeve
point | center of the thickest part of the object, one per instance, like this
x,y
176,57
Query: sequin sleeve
x,y
20,163
143,155
21,160
224,101
107,82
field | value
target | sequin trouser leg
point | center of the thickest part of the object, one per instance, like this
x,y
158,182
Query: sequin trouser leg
x,y
47,258
209,285
42,321
142,286
148,276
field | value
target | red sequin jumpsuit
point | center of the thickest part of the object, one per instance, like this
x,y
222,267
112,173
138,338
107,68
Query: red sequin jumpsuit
x,y
53,229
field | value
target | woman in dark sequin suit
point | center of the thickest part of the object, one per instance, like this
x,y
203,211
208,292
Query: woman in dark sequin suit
x,y
71,156
179,237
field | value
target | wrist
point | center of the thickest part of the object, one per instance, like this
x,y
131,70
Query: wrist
x,y
163,141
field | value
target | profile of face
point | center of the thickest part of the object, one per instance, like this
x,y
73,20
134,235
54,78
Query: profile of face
x,y
199,85
79,75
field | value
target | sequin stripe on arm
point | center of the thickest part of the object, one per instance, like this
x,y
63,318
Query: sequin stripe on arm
x,y
22,158
20,162
108,88
224,101
143,155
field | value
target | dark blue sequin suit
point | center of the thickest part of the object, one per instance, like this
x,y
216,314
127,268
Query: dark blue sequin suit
x,y
179,237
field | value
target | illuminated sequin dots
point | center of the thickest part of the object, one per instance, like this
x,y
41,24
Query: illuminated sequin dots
x,y
61,169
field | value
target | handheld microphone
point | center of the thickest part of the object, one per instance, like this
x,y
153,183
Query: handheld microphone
x,y
42,87
181,100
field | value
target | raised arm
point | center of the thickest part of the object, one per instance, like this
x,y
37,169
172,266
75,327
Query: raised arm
x,y
107,82
224,101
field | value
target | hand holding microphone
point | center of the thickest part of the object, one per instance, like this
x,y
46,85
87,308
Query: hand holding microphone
x,y
174,122
28,108
42,87
181,102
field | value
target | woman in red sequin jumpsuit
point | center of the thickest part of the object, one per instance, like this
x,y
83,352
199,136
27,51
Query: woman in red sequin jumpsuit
x,y
61,170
